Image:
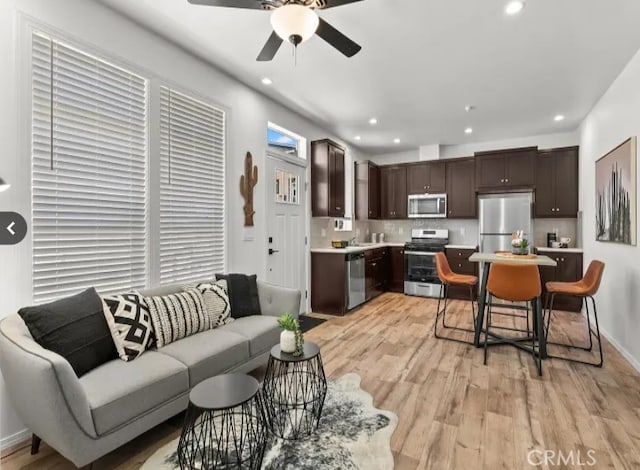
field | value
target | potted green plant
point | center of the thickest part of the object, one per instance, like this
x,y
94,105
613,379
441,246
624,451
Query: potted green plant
x,y
291,339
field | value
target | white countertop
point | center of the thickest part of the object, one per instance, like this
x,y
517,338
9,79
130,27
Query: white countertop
x,y
539,260
356,249
462,247
559,250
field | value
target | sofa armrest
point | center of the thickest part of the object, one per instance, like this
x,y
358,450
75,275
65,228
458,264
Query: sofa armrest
x,y
42,386
276,300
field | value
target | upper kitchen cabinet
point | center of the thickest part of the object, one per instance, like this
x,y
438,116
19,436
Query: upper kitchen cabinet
x,y
461,193
557,183
426,177
393,192
367,182
327,179
506,169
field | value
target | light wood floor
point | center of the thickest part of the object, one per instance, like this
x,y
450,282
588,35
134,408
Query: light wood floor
x,y
454,412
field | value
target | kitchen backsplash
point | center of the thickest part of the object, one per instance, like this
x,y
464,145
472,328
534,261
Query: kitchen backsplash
x,y
564,227
461,232
323,232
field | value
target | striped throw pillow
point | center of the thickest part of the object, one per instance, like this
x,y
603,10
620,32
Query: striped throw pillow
x,y
177,316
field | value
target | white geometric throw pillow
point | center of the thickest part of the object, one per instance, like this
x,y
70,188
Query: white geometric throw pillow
x,y
129,322
216,301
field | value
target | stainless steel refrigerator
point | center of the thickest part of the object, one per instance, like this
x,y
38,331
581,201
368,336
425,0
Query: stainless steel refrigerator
x,y
500,216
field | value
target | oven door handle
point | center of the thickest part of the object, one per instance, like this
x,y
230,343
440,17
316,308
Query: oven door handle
x,y
419,253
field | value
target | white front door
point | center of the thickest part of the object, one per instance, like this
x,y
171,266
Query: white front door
x,y
286,216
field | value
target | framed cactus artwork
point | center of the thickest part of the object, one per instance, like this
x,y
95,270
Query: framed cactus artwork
x,y
617,194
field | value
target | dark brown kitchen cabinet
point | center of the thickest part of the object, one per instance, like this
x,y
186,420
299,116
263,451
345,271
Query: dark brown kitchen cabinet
x,y
506,169
327,179
557,183
328,283
367,184
393,194
376,271
458,259
426,177
460,188
396,262
569,269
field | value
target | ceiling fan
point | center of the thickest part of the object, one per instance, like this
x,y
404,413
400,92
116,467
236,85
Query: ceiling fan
x,y
294,21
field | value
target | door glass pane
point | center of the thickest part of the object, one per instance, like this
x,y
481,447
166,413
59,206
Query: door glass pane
x,y
286,187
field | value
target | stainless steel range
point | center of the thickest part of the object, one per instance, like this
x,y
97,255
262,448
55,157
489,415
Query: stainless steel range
x,y
420,274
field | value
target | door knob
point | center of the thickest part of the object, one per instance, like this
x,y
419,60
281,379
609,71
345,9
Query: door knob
x,y
272,251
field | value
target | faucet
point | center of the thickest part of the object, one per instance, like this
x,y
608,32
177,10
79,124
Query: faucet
x,y
352,241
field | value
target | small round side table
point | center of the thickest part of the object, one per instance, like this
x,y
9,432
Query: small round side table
x,y
294,390
224,425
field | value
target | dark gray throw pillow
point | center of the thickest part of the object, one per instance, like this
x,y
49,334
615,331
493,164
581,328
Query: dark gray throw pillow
x,y
243,294
73,327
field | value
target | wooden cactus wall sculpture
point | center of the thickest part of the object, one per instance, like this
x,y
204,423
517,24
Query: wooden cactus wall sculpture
x,y
247,183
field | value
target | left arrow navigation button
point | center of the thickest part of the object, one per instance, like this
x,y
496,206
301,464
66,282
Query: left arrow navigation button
x,y
13,228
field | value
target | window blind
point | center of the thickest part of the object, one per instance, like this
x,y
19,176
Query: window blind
x,y
192,160
89,147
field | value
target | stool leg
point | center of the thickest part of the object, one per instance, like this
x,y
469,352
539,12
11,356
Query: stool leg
x,y
473,312
553,298
444,310
35,444
586,304
486,333
595,316
438,312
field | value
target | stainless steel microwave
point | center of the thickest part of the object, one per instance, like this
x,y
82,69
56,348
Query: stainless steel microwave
x,y
427,206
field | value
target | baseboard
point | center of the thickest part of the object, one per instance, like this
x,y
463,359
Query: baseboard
x,y
626,354
14,439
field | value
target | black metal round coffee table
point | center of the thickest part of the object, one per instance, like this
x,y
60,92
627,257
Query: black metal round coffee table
x,y
294,390
224,426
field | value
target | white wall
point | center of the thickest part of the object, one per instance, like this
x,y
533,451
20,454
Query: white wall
x,y
92,24
615,118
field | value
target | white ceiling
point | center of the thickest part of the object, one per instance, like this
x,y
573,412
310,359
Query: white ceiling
x,y
422,61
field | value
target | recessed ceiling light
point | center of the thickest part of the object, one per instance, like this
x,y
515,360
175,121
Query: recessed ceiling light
x,y
396,141
514,7
558,117
468,130
468,108
357,137
373,121
267,81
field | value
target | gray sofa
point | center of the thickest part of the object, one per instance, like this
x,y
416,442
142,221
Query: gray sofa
x,y
85,418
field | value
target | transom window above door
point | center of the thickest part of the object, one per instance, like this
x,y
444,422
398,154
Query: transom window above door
x,y
281,141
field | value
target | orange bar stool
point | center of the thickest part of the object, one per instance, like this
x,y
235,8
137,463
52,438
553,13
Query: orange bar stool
x,y
585,288
514,283
449,278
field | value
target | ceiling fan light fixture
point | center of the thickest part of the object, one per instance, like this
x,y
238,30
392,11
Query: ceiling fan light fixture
x,y
294,23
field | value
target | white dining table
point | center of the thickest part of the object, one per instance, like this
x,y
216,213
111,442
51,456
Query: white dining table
x,y
487,259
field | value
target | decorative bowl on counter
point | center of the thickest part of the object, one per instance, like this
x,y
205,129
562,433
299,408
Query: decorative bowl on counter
x,y
339,243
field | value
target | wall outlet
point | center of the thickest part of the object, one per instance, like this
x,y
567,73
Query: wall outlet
x,y
400,230
357,232
323,232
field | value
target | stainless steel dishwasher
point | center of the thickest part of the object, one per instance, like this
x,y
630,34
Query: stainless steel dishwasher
x,y
355,279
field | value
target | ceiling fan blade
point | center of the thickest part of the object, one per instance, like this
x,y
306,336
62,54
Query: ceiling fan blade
x,y
337,39
324,4
269,50
252,4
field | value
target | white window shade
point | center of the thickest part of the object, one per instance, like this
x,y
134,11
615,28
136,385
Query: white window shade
x,y
89,149
192,161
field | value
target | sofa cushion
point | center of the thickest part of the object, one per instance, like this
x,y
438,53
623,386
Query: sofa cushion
x,y
75,328
120,391
208,353
216,301
262,332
